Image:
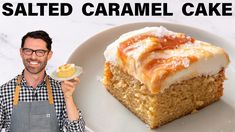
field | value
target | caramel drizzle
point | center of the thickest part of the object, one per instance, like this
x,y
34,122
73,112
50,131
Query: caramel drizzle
x,y
160,43
159,65
170,65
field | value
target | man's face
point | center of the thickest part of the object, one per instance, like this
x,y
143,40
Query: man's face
x,y
35,62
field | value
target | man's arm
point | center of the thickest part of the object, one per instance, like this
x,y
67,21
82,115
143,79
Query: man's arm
x,y
75,122
1,113
68,88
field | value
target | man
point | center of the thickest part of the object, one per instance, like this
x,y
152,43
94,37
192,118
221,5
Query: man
x,y
33,101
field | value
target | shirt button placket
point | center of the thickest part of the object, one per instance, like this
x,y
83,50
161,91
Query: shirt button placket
x,y
35,95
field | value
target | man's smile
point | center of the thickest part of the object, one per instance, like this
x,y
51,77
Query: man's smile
x,y
33,62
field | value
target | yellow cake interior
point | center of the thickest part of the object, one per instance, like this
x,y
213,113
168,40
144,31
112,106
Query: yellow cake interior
x,y
157,109
66,70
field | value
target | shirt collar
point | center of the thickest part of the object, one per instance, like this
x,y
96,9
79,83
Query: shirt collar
x,y
24,83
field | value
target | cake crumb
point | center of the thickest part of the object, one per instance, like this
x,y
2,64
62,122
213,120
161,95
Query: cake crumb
x,y
199,103
99,78
194,111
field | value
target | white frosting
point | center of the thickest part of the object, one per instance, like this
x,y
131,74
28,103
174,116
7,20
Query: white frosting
x,y
211,59
110,51
65,67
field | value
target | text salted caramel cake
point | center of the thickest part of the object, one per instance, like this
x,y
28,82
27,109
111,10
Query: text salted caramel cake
x,y
162,75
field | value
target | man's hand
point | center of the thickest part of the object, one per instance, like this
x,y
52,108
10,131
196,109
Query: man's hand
x,y
68,87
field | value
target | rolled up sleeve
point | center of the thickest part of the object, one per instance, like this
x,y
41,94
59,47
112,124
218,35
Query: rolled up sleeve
x,y
1,114
75,126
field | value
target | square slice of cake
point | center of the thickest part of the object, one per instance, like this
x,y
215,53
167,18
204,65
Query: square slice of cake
x,y
161,75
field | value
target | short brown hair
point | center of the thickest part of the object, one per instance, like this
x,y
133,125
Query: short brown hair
x,y
39,34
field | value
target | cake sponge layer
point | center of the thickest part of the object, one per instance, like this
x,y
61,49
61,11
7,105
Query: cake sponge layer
x,y
176,101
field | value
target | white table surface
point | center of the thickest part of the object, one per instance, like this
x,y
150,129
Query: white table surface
x,y
69,32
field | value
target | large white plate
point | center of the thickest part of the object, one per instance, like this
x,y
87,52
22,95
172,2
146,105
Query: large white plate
x,y
103,113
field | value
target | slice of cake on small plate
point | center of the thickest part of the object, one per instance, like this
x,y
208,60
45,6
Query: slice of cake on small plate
x,y
161,75
66,72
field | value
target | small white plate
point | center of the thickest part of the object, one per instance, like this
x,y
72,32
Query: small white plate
x,y
76,74
103,113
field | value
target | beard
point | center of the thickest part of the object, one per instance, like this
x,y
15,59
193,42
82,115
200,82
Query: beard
x,y
40,65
